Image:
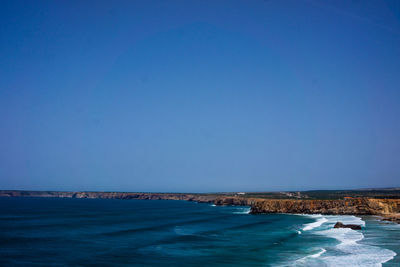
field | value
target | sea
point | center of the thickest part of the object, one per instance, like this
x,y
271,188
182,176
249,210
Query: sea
x,y
112,232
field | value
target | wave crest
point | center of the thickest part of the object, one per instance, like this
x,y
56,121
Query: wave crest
x,y
313,225
348,252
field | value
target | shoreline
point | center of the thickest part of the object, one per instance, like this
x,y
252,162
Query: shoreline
x,y
330,245
388,209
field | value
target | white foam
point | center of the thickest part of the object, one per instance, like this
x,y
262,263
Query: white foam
x,y
360,255
313,215
346,219
355,254
242,211
306,259
313,225
316,255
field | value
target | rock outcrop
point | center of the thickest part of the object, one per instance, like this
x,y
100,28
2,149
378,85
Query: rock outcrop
x,y
359,206
392,217
351,226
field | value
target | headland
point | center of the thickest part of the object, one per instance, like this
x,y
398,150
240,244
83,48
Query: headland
x,y
381,202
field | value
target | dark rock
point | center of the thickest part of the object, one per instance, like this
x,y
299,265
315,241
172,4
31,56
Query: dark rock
x,y
394,217
351,226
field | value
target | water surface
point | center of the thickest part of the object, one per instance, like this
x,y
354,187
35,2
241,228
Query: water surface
x,y
55,231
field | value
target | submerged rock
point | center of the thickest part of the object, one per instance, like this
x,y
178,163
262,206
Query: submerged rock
x,y
351,226
394,217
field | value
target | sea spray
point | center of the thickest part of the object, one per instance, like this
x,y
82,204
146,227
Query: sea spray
x,y
349,252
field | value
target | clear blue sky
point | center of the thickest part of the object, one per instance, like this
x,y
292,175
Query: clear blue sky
x,y
199,96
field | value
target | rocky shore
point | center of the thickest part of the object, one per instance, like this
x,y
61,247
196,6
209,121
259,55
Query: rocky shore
x,y
389,209
392,217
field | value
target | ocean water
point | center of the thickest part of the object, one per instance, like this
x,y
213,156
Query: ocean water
x,y
99,232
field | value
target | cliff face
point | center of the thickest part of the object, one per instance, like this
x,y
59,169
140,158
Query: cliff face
x,y
235,201
361,206
357,206
111,195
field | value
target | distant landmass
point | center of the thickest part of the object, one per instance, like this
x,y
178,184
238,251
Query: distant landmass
x,y
384,202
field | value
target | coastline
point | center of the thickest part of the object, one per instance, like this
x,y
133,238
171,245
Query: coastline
x,y
310,238
388,209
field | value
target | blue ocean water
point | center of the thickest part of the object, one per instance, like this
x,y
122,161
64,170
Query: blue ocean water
x,y
100,232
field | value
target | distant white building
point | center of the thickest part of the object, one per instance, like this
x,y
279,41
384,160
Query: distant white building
x,y
240,193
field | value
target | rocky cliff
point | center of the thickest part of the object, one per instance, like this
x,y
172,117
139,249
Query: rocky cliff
x,y
360,206
111,195
389,208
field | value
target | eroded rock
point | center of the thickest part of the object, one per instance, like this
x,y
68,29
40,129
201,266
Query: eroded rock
x,y
351,226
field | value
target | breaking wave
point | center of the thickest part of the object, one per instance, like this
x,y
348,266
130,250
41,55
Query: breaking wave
x,y
318,223
242,211
349,252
